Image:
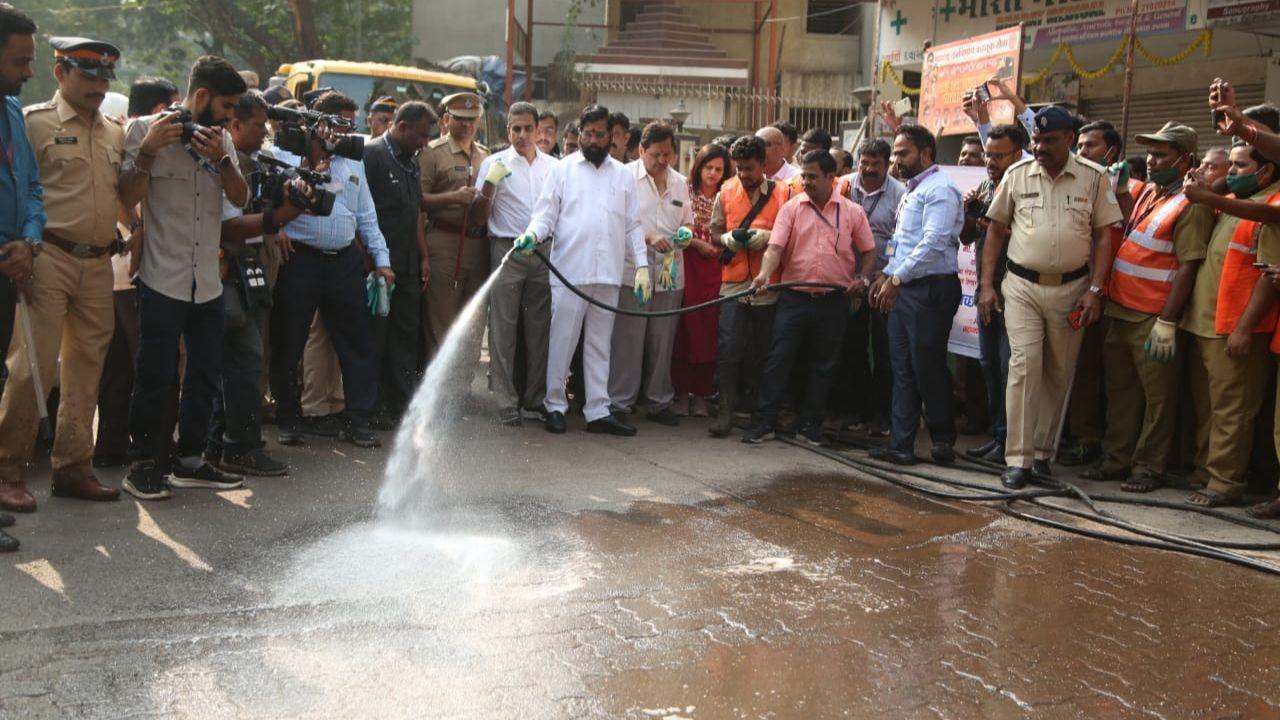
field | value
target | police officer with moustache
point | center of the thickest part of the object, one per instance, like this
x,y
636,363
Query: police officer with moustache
x,y
456,245
1057,212
69,303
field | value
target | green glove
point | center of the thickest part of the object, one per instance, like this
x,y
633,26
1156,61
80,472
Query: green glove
x,y
729,243
498,171
525,244
1121,171
1162,341
759,238
643,286
682,238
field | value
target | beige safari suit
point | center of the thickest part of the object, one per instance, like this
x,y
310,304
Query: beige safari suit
x,y
446,167
1051,222
72,309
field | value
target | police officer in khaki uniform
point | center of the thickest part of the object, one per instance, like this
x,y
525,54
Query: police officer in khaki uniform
x,y
70,299
1059,210
457,247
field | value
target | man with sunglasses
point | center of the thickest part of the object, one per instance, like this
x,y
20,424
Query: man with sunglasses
x,y
69,298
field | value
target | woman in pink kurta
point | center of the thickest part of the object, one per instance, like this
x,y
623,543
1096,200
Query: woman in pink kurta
x,y
693,364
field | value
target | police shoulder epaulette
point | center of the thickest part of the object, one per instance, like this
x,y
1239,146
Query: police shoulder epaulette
x,y
49,105
437,142
1090,164
1021,163
485,148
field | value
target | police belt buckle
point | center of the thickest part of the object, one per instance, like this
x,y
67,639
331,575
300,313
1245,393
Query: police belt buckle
x,y
1050,279
84,252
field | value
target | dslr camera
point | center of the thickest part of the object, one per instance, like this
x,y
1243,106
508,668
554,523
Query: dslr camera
x,y
189,125
268,188
297,128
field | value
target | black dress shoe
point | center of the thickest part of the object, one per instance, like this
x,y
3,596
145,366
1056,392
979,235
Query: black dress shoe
x,y
1097,474
981,451
1041,467
1015,478
889,455
996,455
943,453
665,416
8,543
555,422
6,520
611,424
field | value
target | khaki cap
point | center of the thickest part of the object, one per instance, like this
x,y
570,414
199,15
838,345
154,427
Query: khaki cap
x,y
1176,134
466,105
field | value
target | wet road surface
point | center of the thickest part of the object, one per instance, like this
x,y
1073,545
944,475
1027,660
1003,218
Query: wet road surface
x,y
590,577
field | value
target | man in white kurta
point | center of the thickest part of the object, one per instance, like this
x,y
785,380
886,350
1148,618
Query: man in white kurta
x,y
589,204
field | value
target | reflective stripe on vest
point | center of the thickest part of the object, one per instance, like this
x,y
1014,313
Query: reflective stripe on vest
x,y
1144,267
1239,276
736,203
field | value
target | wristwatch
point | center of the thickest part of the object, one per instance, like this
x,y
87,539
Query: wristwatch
x,y
34,246
1097,291
895,280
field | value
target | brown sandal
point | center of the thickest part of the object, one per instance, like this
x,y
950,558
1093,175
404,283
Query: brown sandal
x,y
1211,499
1269,510
1143,482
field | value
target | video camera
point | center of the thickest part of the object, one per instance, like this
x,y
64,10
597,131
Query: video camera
x,y
297,128
276,178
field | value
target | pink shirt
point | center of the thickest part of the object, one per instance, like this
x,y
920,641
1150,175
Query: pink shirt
x,y
820,246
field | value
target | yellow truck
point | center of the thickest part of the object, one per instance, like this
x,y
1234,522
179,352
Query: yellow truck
x,y
365,82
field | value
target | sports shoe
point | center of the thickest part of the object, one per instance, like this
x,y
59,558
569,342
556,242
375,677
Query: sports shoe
x,y
205,476
812,434
146,483
360,436
322,426
758,433
254,462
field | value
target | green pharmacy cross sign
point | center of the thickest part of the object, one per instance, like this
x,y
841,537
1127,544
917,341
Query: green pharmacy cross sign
x,y
899,21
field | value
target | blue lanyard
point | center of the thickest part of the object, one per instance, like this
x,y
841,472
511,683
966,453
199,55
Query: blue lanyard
x,y
827,222
916,181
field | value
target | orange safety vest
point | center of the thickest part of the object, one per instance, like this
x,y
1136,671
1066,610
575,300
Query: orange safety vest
x,y
1117,231
736,204
1142,274
1239,276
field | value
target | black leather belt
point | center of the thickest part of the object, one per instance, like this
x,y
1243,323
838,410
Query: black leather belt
x,y
318,251
75,249
1047,279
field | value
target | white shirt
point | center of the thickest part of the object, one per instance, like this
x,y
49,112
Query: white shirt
x,y
594,216
661,214
785,173
514,198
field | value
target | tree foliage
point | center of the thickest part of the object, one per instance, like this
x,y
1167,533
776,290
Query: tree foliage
x,y
162,37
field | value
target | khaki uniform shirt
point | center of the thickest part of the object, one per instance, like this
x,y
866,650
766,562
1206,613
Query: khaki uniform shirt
x,y
1198,319
1190,243
445,168
79,168
182,213
1052,220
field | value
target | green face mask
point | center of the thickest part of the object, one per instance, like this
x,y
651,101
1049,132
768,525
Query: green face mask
x,y
1243,185
1163,177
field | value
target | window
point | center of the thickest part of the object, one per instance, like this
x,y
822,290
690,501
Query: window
x,y
832,17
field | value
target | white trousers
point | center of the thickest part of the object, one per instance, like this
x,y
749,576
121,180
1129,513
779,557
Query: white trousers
x,y
569,315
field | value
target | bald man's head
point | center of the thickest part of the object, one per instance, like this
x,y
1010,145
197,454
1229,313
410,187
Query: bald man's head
x,y
775,148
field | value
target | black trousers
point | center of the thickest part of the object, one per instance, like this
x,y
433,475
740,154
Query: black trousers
x,y
163,323
745,334
116,387
809,322
919,327
237,410
396,337
334,284
865,379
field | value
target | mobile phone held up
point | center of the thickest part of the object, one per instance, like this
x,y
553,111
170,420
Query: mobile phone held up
x,y
982,93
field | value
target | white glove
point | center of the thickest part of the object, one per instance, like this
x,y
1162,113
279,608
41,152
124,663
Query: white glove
x,y
729,243
1162,341
759,238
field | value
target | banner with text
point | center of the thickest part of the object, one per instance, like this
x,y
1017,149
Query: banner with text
x,y
953,69
964,326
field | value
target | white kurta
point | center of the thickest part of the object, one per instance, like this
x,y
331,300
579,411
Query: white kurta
x,y
515,197
593,215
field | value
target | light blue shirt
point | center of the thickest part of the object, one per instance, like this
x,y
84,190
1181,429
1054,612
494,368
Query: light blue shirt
x,y
352,210
927,237
21,195
881,208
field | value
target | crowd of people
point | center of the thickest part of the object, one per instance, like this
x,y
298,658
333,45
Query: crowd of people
x,y
185,275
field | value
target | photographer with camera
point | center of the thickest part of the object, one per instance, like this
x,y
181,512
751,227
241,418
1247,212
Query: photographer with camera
x,y
235,437
179,165
326,272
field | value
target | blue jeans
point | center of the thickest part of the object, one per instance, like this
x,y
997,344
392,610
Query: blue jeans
x,y
919,326
813,322
993,343
162,323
